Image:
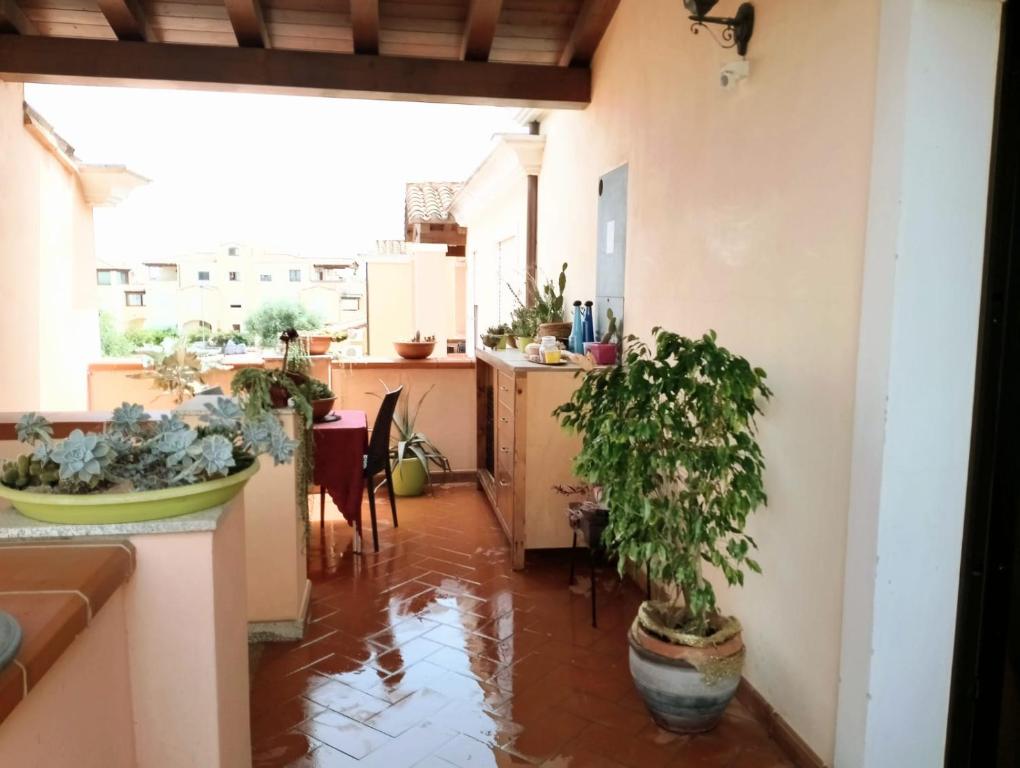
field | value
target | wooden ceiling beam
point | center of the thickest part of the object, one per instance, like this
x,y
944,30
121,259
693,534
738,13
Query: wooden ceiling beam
x,y
591,24
310,73
480,30
365,25
249,26
127,19
13,19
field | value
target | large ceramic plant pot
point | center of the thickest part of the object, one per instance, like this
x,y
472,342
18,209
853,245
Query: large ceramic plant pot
x,y
135,507
409,478
319,345
686,681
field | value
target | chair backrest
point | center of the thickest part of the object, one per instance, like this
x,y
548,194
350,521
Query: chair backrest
x,y
379,442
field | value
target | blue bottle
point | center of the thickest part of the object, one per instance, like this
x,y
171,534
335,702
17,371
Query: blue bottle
x,y
589,322
576,341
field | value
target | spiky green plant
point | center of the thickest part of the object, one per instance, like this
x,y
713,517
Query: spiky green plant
x,y
408,442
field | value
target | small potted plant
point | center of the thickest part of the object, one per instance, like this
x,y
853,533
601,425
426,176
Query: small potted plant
x,y
523,324
318,342
417,348
322,399
670,437
548,307
264,389
495,336
138,468
605,351
178,371
412,453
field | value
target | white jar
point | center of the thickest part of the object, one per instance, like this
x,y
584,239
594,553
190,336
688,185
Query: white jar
x,y
550,350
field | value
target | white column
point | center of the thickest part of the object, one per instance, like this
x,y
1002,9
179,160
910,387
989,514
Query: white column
x,y
915,377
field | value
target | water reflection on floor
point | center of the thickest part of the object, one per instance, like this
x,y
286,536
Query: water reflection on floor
x,y
433,653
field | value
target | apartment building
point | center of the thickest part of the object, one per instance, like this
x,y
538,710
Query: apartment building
x,y
217,289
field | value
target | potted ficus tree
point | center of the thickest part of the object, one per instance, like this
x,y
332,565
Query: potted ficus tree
x,y
670,438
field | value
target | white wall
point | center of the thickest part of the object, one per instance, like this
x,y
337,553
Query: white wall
x,y
915,378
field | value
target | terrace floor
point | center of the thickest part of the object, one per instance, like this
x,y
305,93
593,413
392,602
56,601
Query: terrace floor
x,y
434,653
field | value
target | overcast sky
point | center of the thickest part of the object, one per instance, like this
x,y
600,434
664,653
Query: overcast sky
x,y
311,176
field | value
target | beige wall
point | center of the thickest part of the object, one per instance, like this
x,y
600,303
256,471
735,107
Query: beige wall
x,y
447,415
47,257
87,691
747,215
423,291
496,244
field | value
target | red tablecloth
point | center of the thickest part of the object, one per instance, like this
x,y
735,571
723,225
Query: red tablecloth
x,y
340,448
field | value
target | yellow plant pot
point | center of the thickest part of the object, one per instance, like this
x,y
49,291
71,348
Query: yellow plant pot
x,y
134,507
409,478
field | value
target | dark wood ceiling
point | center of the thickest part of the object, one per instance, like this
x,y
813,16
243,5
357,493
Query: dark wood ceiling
x,y
517,41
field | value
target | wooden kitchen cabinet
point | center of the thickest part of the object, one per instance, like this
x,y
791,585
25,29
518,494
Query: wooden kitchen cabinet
x,y
523,453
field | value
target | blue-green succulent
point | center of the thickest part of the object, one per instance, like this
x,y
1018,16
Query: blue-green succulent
x,y
137,452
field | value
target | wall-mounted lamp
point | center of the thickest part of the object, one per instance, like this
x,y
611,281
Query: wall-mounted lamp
x,y
736,31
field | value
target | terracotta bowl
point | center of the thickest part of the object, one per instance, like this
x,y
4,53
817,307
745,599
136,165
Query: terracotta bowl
x,y
322,408
414,350
319,345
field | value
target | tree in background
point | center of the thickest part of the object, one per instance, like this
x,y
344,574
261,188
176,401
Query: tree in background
x,y
271,319
112,342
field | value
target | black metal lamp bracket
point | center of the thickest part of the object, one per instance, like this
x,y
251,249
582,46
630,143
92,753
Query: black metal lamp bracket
x,y
736,31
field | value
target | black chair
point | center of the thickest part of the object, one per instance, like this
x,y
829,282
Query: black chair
x,y
376,460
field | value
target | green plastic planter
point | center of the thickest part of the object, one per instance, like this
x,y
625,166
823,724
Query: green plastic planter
x,y
135,507
409,478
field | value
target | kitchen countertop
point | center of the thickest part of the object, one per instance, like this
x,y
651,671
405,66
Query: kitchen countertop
x,y
513,360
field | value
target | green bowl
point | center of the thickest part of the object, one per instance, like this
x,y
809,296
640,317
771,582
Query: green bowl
x,y
134,507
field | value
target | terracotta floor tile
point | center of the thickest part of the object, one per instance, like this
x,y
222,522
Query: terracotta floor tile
x,y
410,748
348,701
464,752
407,713
434,653
342,733
282,750
547,736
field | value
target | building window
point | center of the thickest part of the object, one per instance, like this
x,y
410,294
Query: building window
x,y
233,276
232,250
350,303
235,306
295,275
236,327
265,277
134,298
203,277
112,276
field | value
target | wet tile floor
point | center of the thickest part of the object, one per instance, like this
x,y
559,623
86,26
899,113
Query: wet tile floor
x,y
434,653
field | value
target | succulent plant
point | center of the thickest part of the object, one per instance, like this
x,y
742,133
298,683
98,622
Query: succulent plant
x,y
82,458
137,451
128,419
224,414
214,457
33,428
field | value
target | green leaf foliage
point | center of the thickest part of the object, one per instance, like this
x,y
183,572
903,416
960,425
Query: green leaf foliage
x,y
670,437
270,320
